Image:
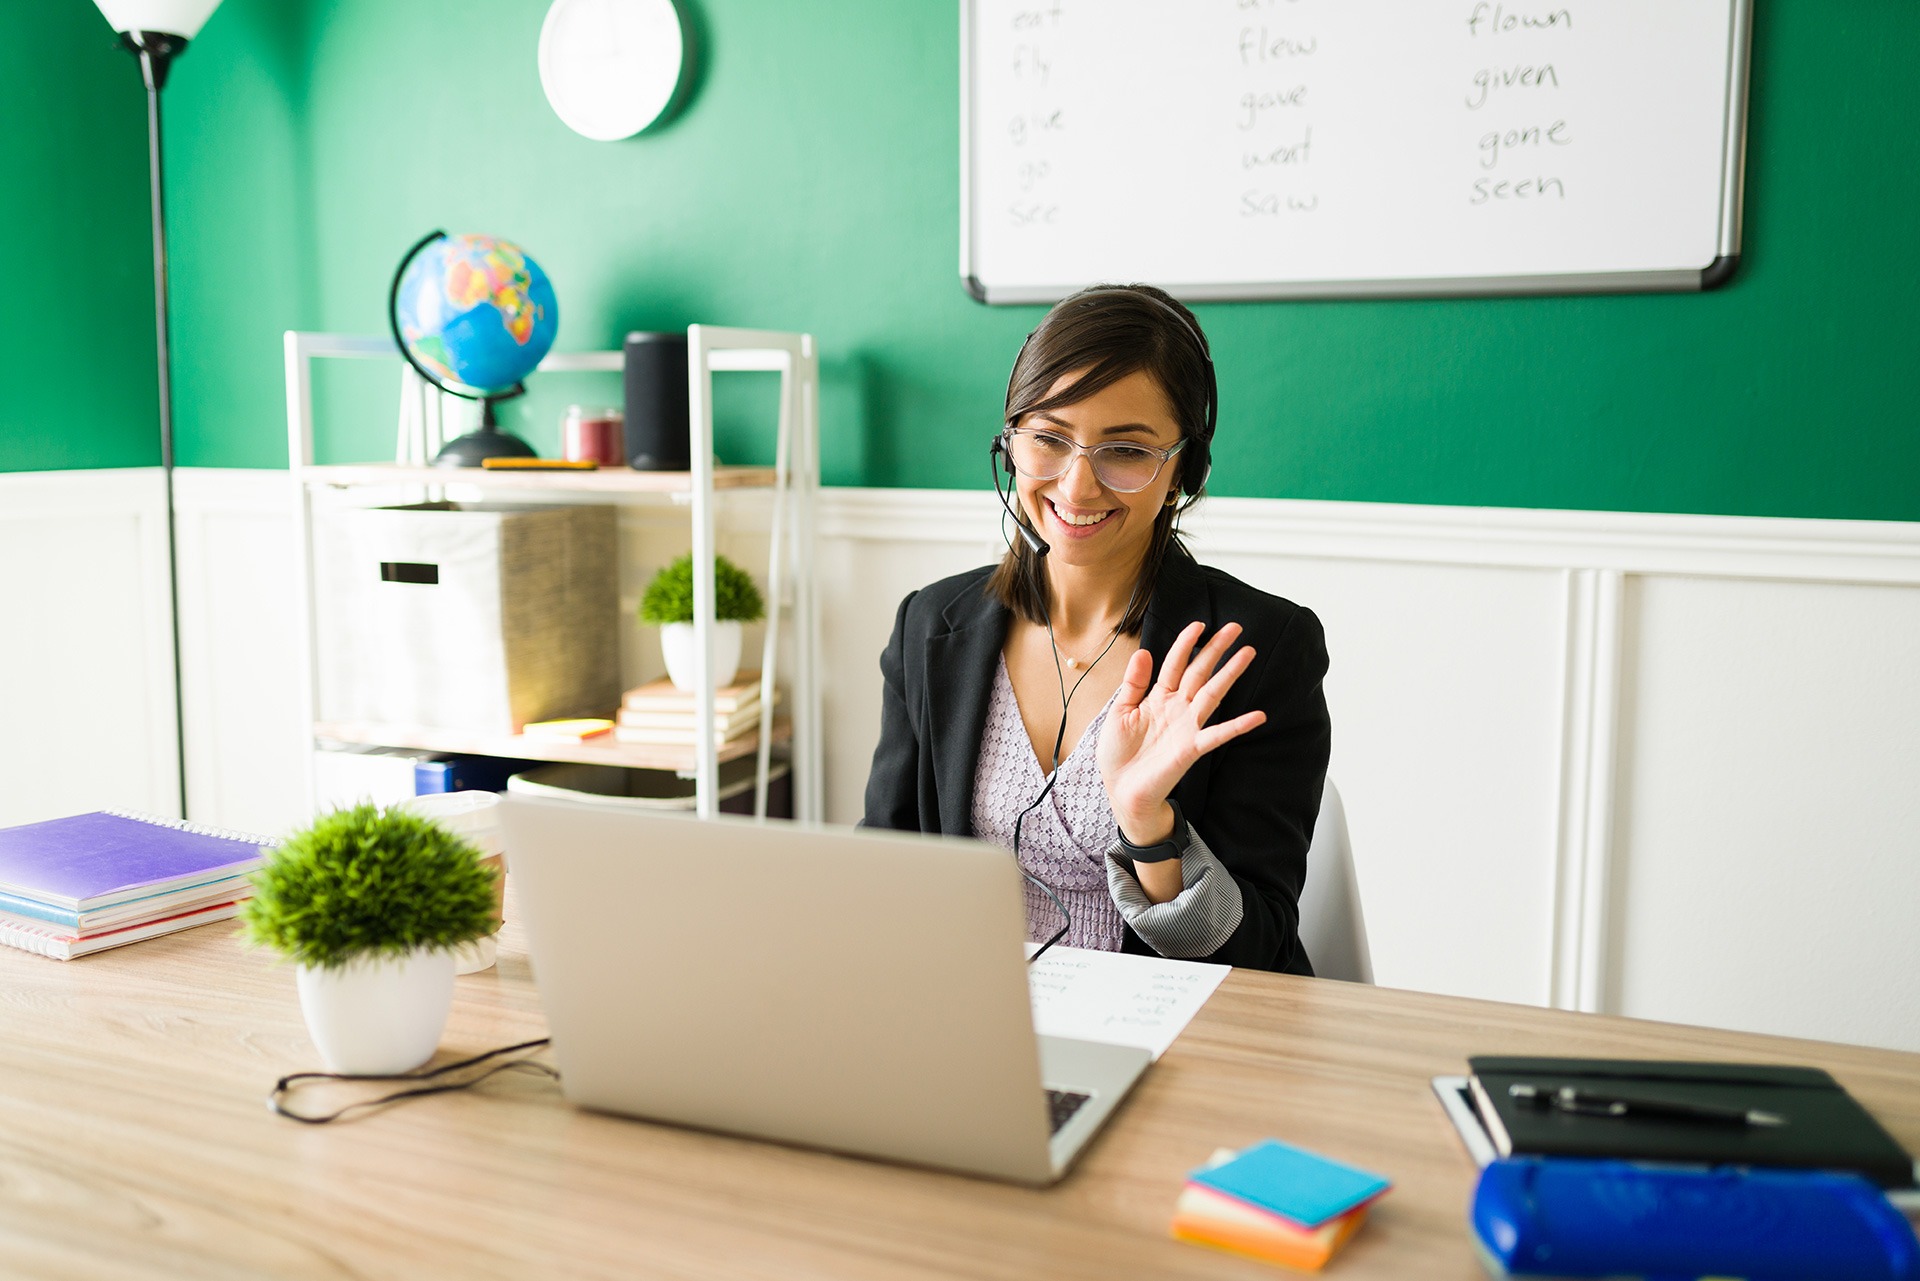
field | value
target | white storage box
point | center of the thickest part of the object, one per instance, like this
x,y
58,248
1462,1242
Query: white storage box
x,y
466,616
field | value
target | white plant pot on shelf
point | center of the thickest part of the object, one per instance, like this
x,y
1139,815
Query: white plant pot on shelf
x,y
676,645
379,1014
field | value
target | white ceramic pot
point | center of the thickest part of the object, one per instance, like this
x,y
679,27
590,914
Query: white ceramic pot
x,y
676,645
378,1014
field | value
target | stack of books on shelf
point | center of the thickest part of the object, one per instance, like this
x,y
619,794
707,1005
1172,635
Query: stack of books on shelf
x,y
1275,1202
70,886
661,714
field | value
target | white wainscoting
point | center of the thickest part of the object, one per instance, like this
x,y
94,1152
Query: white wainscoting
x,y
1664,766
86,648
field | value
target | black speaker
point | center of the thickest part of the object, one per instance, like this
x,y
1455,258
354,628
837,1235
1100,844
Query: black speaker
x,y
657,402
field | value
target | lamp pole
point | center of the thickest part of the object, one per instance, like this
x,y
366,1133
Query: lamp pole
x,y
156,32
155,59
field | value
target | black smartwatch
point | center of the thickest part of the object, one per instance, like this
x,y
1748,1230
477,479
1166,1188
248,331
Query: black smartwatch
x,y
1173,847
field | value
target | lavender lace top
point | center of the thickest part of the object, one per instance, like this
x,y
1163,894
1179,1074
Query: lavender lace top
x,y
1073,844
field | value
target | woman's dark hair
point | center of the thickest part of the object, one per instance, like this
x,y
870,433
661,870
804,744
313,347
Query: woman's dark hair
x,y
1111,331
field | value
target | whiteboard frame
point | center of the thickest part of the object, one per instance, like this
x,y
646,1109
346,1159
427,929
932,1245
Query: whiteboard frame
x,y
1733,169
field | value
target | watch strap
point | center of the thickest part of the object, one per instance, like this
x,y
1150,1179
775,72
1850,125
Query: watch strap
x,y
1173,847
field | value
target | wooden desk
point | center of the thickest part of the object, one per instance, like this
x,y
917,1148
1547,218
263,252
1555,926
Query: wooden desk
x,y
135,1141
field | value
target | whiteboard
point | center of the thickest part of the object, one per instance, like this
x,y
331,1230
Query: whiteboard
x,y
1337,148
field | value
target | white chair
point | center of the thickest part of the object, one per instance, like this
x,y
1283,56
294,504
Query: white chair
x,y
1332,926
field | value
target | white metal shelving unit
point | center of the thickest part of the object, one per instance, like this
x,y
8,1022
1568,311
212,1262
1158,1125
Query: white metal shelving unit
x,y
794,480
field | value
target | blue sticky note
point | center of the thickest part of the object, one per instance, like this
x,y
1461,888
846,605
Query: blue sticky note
x,y
1291,1183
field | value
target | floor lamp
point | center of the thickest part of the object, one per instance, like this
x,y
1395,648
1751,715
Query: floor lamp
x,y
156,32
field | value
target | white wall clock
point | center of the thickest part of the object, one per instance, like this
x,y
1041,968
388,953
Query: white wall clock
x,y
610,67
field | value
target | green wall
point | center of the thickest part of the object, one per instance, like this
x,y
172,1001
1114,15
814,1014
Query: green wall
x,y
811,183
76,310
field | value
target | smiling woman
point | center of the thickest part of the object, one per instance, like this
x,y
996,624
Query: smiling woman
x,y
1162,799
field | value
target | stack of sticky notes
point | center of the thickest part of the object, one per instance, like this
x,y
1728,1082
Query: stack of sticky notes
x,y
1277,1203
575,730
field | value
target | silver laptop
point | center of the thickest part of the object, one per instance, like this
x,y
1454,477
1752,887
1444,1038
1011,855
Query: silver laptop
x,y
847,989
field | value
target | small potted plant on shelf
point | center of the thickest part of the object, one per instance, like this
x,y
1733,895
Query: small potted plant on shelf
x,y
668,605
370,905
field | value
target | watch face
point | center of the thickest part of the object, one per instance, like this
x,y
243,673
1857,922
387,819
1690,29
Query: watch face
x,y
610,67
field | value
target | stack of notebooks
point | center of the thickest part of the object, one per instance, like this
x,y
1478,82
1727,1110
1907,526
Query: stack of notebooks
x,y
70,886
1277,1203
1746,1114
661,714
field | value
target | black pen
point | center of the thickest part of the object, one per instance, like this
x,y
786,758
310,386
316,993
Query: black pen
x,y
1588,1103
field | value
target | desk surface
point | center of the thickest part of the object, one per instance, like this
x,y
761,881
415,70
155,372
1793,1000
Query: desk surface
x,y
137,1141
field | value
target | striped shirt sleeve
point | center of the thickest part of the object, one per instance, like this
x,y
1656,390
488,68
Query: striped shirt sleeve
x,y
1195,922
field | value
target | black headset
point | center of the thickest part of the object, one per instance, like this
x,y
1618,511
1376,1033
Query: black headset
x,y
1199,448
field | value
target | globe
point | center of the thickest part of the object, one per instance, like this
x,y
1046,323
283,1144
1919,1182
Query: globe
x,y
476,313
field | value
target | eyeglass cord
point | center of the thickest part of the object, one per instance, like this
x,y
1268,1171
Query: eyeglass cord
x,y
277,1100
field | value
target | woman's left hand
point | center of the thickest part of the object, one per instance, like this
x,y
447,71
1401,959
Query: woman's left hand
x,y
1156,730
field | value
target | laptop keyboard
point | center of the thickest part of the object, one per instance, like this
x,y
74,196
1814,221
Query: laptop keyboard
x,y
1061,1105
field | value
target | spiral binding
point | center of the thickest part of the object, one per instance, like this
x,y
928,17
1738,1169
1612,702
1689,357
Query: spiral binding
x,y
198,829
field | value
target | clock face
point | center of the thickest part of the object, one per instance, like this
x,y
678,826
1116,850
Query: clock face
x,y
610,67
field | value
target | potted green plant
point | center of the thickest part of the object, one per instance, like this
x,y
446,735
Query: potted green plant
x,y
668,605
370,905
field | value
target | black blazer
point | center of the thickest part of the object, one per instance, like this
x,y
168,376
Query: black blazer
x,y
1253,801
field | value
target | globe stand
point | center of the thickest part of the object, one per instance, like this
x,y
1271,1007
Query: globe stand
x,y
486,441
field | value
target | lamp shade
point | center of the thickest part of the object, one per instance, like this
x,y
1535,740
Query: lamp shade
x,y
182,18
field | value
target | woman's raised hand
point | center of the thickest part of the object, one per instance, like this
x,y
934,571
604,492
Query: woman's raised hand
x,y
1156,730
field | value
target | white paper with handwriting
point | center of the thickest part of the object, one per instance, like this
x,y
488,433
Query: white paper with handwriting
x,y
1118,997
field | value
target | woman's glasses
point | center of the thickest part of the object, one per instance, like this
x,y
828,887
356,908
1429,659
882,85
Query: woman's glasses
x,y
1123,468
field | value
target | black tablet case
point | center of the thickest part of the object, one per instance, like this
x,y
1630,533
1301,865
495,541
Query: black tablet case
x,y
1826,1128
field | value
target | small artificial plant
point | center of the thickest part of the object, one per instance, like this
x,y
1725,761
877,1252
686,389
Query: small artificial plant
x,y
669,597
366,881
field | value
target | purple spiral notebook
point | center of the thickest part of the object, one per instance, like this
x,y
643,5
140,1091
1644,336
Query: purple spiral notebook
x,y
93,860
